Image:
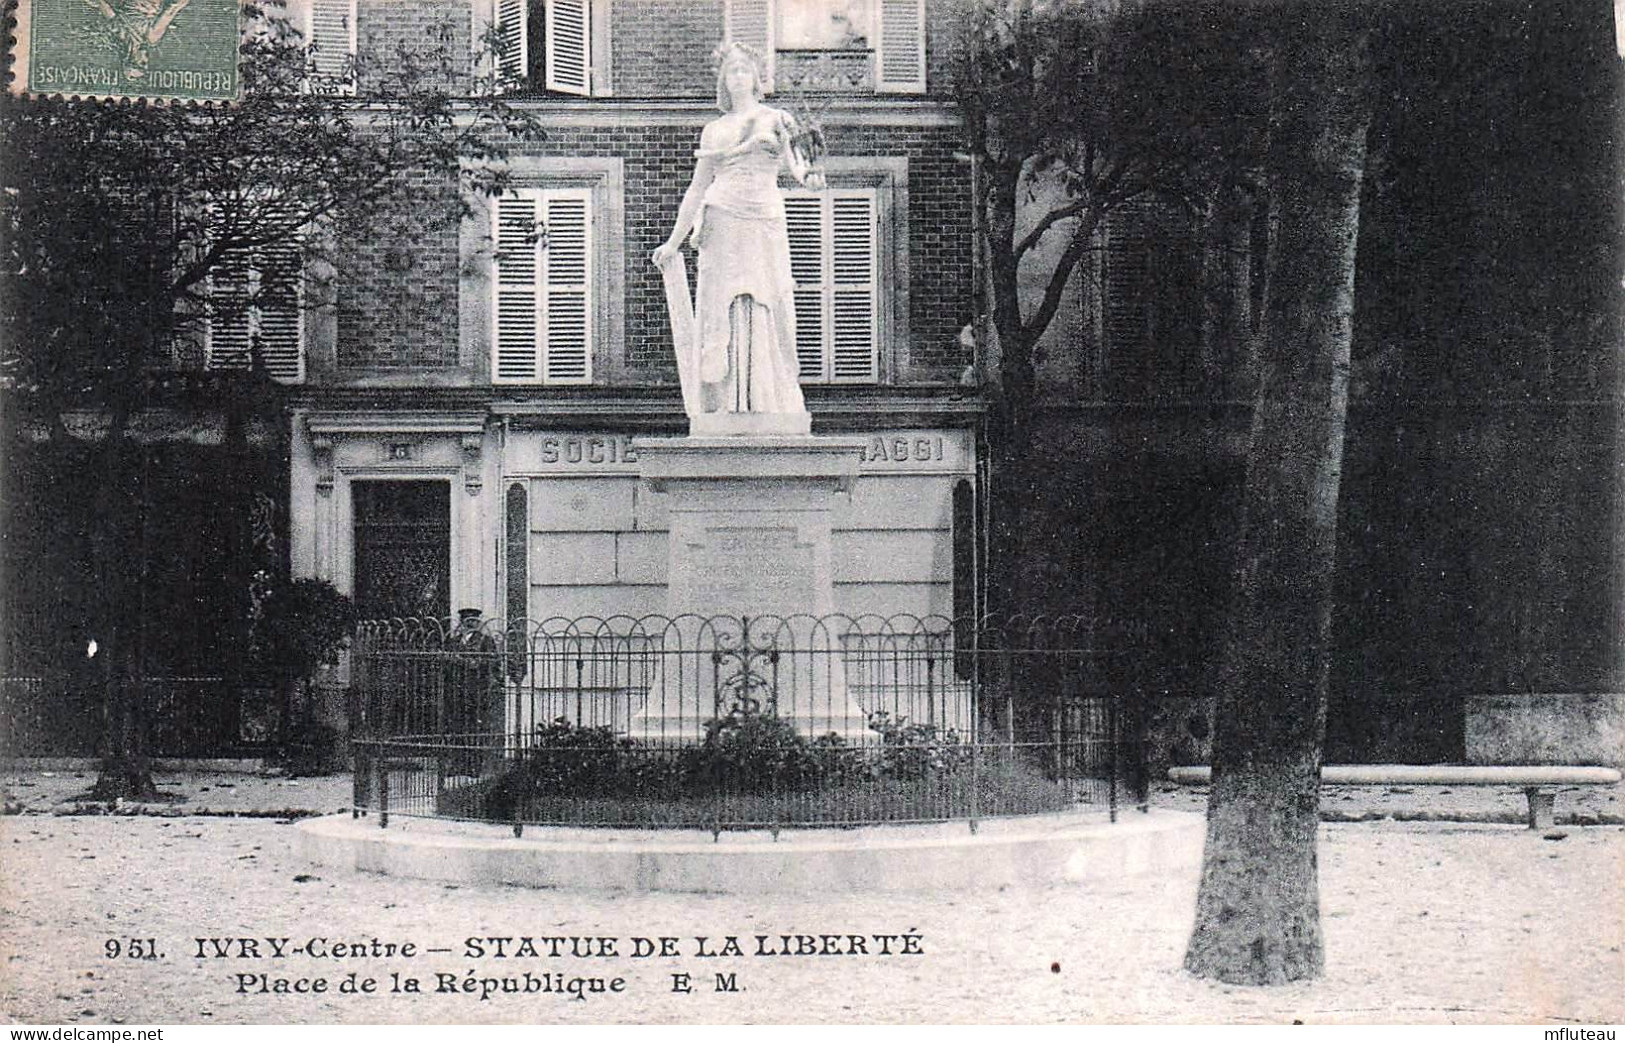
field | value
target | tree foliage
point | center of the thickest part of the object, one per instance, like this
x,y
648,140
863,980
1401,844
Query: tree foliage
x,y
118,222
303,625
1072,111
1076,108
116,215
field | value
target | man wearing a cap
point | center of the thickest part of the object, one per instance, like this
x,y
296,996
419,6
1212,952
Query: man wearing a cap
x,y
475,713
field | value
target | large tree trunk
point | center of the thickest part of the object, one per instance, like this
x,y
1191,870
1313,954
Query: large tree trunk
x,y
1258,910
125,771
1015,397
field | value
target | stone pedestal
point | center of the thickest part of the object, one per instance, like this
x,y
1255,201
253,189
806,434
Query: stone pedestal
x,y
749,581
729,425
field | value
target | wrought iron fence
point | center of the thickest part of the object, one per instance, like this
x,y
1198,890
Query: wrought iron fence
x,y
728,723
58,713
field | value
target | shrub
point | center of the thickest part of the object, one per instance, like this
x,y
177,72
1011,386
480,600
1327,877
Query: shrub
x,y
562,759
313,748
837,762
915,772
914,751
752,752
571,760
301,626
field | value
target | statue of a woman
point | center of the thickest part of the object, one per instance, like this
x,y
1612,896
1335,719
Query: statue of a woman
x,y
741,350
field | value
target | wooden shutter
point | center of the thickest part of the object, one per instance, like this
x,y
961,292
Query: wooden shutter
x,y
833,256
231,326
517,354
569,46
751,22
278,318
1128,311
804,217
1152,307
568,287
543,294
512,38
329,28
256,296
853,286
900,57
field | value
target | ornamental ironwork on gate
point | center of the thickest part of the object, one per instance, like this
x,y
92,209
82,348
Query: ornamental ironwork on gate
x,y
740,722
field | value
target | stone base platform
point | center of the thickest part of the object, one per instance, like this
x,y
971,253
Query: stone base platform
x,y
1031,852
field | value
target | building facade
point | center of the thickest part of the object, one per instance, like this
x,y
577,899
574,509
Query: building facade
x,y
464,411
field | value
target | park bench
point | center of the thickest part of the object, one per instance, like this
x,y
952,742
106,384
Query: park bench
x,y
1538,781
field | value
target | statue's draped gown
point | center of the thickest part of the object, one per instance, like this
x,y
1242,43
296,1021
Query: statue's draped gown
x,y
745,313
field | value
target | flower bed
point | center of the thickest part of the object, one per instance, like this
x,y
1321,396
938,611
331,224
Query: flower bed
x,y
753,769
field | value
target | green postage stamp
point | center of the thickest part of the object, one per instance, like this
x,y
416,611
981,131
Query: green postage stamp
x,y
169,50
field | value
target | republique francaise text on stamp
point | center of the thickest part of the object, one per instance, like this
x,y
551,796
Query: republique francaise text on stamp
x,y
169,50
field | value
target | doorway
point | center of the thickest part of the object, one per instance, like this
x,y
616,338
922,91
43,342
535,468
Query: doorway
x,y
402,549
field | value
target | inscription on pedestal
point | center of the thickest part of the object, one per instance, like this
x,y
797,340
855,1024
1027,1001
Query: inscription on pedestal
x,y
751,571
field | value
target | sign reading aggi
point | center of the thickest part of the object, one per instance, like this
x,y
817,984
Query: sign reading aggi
x,y
173,50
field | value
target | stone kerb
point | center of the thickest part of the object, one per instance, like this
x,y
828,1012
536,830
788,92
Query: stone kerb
x,y
1028,852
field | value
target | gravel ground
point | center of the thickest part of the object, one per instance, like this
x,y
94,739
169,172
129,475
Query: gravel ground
x,y
233,793
1425,922
200,793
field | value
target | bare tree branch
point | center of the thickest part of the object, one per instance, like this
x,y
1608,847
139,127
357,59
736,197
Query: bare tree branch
x,y
1055,288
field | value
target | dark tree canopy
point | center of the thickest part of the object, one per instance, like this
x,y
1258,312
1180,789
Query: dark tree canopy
x,y
117,217
1076,109
127,230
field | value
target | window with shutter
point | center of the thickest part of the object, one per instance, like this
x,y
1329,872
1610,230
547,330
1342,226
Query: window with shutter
x,y
834,257
751,22
254,298
329,30
511,25
569,54
900,54
1151,301
543,287
560,45
848,46
1127,308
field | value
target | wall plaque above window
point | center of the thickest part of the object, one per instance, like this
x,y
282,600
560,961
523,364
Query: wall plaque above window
x,y
824,25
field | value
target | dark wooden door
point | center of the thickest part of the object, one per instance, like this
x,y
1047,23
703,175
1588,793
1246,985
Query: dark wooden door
x,y
402,549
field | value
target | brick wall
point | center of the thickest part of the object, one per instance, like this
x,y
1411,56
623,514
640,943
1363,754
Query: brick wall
x,y
397,299
943,24
394,318
386,28
659,162
939,244
658,48
662,48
